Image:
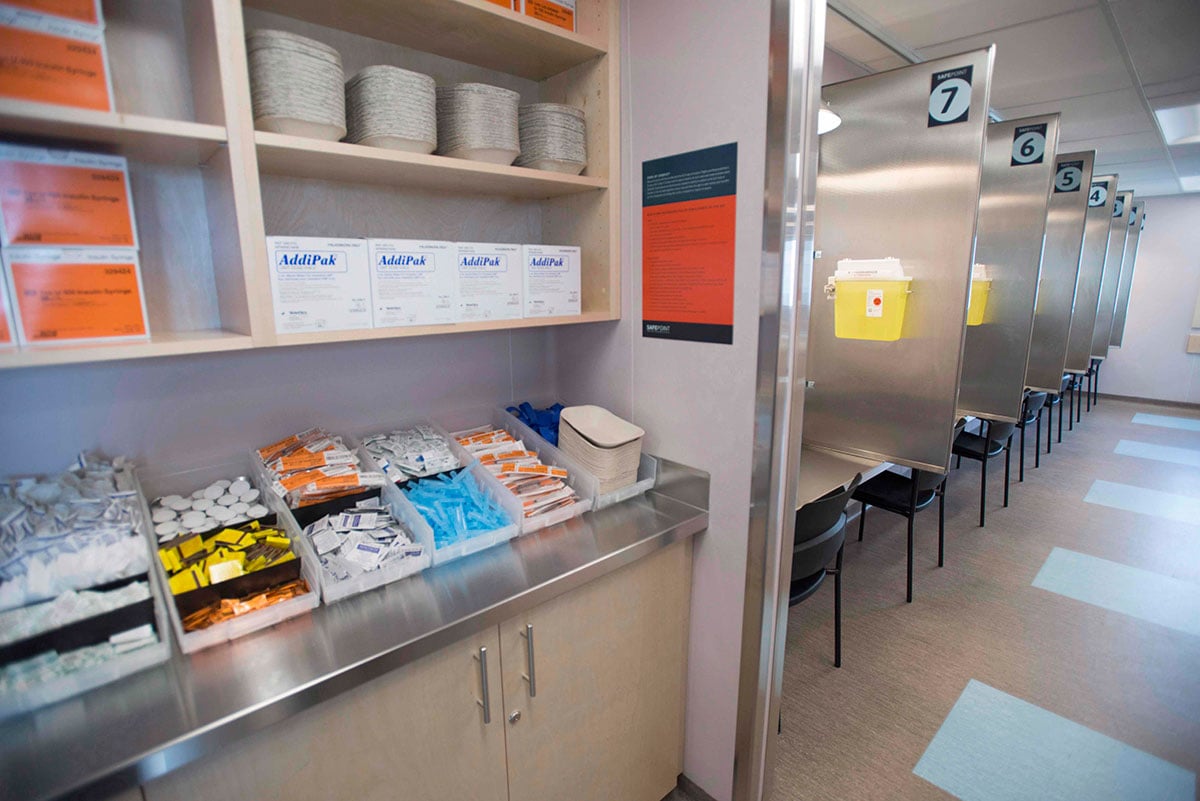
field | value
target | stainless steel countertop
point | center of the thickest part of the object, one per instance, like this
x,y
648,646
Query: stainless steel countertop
x,y
141,727
822,471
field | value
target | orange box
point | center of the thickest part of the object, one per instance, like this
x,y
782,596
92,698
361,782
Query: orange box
x,y
556,12
73,295
85,11
7,338
53,60
64,198
505,3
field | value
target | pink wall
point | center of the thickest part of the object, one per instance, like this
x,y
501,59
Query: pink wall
x,y
192,411
695,76
1153,361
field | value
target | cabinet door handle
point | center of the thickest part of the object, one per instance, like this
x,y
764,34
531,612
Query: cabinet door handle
x,y
486,703
531,677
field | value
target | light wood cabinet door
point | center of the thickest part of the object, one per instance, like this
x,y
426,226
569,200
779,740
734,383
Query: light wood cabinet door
x,y
609,662
415,734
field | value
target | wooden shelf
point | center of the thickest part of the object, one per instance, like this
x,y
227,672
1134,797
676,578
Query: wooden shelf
x,y
337,161
474,31
166,344
426,330
130,135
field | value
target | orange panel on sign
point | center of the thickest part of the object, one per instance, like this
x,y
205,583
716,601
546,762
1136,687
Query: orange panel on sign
x,y
505,3
52,204
79,10
556,13
687,261
52,69
63,301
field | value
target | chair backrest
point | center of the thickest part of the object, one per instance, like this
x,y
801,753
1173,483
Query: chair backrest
x,y
999,432
1034,402
928,480
816,517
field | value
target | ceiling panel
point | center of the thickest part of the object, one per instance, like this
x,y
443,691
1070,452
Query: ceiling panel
x,y
1163,37
1186,158
1134,175
1105,114
1067,56
838,68
890,62
1157,188
1144,146
920,23
850,41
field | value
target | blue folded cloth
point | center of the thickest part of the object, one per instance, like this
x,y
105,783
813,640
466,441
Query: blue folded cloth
x,y
543,421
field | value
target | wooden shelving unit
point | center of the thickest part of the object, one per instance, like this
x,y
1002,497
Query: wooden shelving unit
x,y
337,161
131,135
170,344
473,31
208,188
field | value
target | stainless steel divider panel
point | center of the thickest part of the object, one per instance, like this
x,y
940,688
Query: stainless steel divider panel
x,y
1118,231
1102,195
1060,270
899,178
1137,223
1018,170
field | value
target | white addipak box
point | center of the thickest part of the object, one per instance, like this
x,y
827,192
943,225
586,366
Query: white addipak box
x,y
412,282
489,282
319,284
551,280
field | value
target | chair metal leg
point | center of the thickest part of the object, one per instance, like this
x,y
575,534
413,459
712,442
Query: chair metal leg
x,y
958,462
1007,463
1061,402
942,523
1078,400
1089,388
1037,442
862,521
982,490
837,610
912,514
1021,461
1096,385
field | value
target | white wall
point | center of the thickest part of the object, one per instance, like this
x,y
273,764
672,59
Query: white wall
x,y
1152,361
201,410
695,76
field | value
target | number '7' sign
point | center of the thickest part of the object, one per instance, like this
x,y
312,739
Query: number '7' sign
x,y
950,96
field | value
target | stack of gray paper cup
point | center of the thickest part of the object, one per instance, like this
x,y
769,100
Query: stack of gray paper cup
x,y
478,122
553,137
393,108
296,85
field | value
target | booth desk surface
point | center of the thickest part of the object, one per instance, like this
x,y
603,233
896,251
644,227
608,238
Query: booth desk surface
x,y
822,472
142,727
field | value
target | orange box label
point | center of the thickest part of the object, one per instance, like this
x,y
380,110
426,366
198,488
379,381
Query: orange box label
x,y
78,10
505,3
47,68
557,13
50,204
64,301
6,335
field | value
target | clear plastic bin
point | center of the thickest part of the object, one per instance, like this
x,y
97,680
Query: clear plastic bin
x,y
333,590
408,514
647,466
120,666
870,309
155,485
464,458
583,482
977,308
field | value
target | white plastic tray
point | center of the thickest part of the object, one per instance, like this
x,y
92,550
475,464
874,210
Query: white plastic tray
x,y
583,482
333,590
189,480
120,666
647,466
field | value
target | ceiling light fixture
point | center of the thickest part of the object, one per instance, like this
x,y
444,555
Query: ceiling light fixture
x,y
1180,124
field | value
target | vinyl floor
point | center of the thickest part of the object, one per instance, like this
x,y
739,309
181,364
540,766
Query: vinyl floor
x,y
1104,663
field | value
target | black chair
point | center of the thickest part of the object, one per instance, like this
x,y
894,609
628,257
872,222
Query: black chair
x,y
821,538
995,440
902,495
1031,413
